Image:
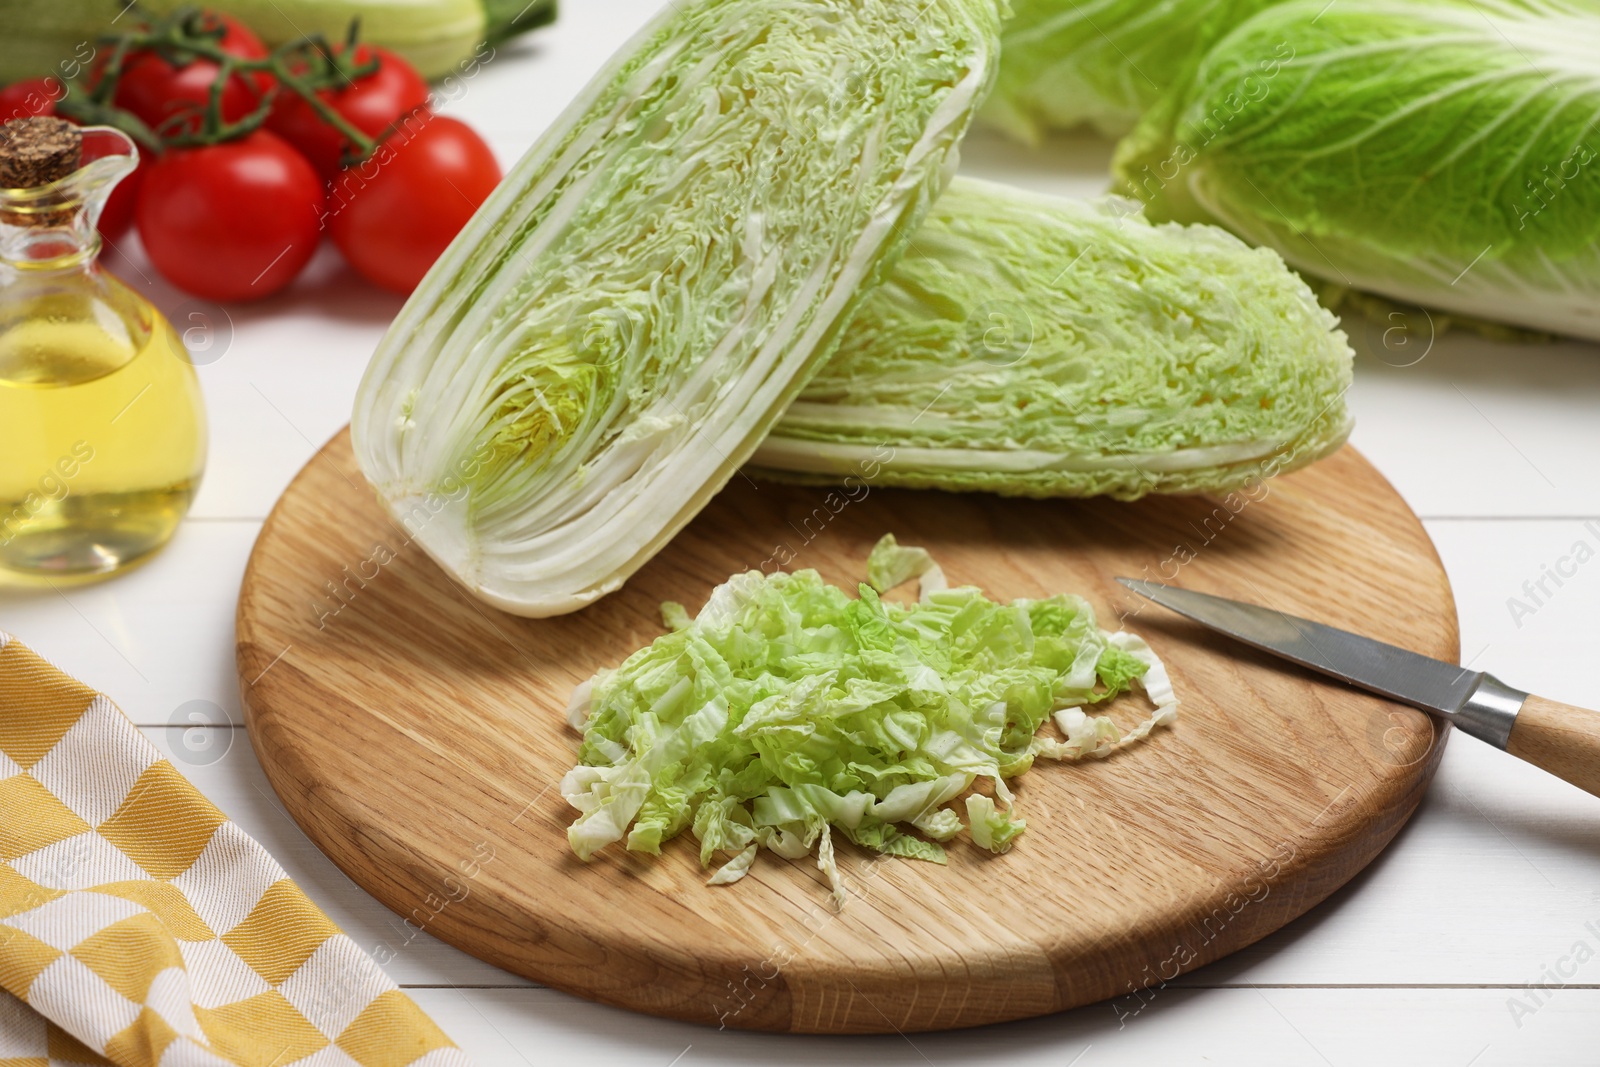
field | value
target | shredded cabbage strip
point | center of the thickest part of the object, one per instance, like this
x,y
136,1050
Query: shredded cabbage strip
x,y
787,712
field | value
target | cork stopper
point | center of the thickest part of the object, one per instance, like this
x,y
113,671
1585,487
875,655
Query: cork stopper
x,y
37,151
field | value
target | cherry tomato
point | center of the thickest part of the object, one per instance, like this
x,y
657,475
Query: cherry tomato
x,y
372,104
34,96
156,90
393,214
231,221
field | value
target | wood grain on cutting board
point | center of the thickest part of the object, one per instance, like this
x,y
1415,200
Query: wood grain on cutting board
x,y
418,735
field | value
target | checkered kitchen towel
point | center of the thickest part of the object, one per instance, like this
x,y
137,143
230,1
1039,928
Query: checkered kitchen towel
x,y
139,926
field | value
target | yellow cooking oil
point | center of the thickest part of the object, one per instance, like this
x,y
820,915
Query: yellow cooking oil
x,y
102,428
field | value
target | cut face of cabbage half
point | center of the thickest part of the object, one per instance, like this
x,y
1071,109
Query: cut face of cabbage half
x,y
1443,153
627,316
1039,346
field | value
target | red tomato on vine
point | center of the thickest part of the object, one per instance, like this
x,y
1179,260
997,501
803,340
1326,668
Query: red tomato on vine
x,y
373,103
393,214
159,91
231,221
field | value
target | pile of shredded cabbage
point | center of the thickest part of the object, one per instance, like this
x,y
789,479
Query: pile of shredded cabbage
x,y
786,711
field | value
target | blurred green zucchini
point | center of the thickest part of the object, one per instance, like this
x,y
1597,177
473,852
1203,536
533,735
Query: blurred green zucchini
x,y
438,37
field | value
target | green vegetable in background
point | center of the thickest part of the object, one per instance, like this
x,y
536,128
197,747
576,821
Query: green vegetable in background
x,y
438,37
55,39
435,36
632,310
1034,345
1065,63
786,712
1437,152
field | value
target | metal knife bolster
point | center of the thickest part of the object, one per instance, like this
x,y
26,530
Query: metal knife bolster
x,y
1490,712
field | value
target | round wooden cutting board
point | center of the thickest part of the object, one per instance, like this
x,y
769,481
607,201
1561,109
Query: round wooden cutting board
x,y
418,737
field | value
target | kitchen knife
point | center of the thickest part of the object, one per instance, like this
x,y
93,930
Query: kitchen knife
x,y
1559,738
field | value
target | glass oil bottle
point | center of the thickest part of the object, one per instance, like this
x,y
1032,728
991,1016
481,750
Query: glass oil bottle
x,y
102,424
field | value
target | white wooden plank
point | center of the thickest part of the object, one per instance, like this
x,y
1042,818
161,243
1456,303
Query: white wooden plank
x,y
1491,881
1478,427
1528,595
1268,1027
153,639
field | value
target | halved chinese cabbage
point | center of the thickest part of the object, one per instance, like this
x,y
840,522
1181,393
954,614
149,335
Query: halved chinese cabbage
x,y
1039,346
617,329
1436,152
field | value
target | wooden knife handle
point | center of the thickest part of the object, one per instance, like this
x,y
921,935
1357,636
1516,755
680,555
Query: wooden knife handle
x,y
1559,738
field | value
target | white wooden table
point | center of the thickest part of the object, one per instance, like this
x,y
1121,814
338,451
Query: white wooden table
x,y
1423,959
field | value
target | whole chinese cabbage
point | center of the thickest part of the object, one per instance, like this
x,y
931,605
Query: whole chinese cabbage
x,y
1437,152
1034,345
1102,62
787,711
635,306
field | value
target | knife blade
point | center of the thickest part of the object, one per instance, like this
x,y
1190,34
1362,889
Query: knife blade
x,y
1559,738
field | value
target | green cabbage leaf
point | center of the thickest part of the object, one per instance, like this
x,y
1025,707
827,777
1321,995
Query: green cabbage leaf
x,y
787,712
616,330
892,564
1040,346
1066,63
1435,152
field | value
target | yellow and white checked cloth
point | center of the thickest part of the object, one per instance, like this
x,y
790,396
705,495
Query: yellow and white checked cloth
x,y
138,926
